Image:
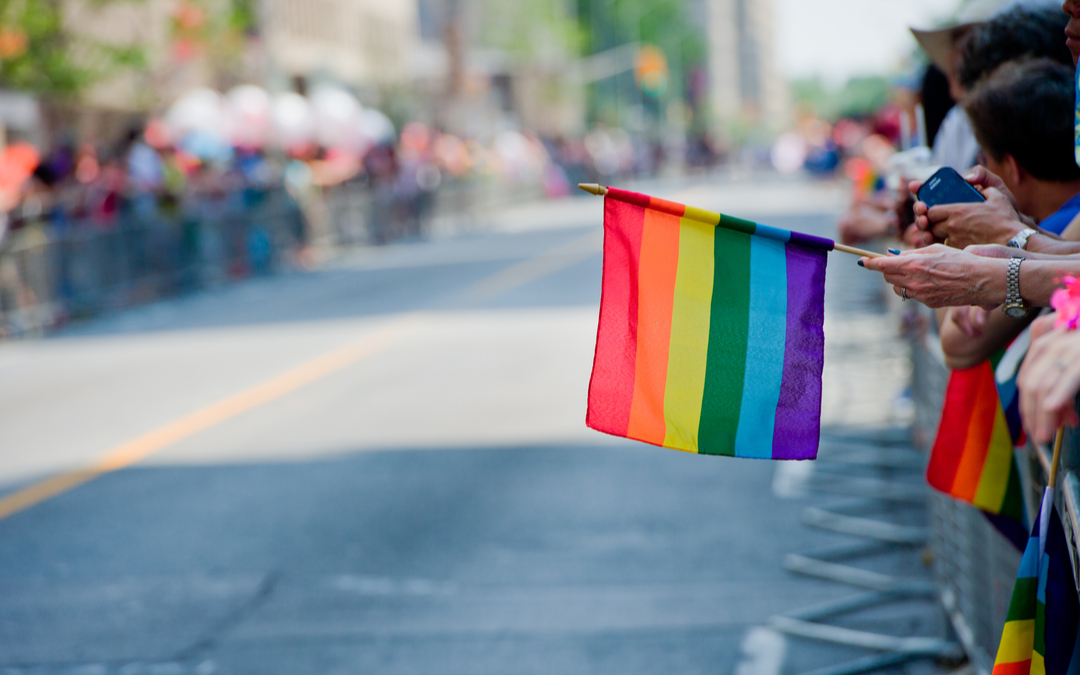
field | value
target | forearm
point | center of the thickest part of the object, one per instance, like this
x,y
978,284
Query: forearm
x,y
1048,244
1039,278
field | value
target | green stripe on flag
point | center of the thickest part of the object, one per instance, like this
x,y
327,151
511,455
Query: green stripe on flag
x,y
1012,506
1022,606
728,329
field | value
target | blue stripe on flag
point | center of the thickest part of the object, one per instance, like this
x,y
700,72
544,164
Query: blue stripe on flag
x,y
765,344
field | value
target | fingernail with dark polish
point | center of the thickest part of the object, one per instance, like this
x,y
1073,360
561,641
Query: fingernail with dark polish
x,y
861,264
894,251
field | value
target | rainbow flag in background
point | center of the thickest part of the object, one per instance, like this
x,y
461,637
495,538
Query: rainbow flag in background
x,y
1040,631
710,337
972,459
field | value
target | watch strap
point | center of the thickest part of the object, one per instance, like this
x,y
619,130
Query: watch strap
x,y
1020,239
1012,283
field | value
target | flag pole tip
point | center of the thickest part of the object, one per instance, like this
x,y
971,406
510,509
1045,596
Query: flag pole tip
x,y
593,188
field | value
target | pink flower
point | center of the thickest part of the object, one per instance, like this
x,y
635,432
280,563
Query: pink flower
x,y
1066,301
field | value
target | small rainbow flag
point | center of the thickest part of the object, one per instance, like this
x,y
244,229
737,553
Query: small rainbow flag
x,y
1040,631
710,337
972,459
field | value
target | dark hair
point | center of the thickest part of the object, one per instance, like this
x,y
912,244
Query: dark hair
x,y
1025,109
1009,36
936,101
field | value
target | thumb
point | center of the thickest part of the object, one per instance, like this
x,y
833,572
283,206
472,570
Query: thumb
x,y
990,251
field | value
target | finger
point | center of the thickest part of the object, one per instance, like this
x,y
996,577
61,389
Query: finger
x,y
920,208
939,213
940,231
1039,328
914,186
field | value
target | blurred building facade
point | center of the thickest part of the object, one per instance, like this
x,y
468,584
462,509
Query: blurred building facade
x,y
356,42
744,82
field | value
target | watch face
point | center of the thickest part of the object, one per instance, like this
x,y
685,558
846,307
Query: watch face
x,y
1014,311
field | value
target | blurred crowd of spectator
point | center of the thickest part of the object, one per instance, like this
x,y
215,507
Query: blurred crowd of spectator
x,y
227,186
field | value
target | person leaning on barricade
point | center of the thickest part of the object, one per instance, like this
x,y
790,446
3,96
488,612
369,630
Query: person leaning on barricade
x,y
975,45
989,275
1022,117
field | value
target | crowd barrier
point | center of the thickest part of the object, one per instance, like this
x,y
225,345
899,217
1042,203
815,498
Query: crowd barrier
x,y
54,269
974,565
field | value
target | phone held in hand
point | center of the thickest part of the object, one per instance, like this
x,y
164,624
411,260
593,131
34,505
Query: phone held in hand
x,y
948,187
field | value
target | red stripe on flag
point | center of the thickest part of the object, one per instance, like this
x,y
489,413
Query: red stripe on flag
x,y
960,399
611,389
1014,668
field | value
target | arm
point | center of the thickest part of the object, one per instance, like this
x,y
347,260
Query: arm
x,y
939,276
970,335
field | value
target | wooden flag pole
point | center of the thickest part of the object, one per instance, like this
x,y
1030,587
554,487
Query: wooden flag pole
x,y
1056,458
600,191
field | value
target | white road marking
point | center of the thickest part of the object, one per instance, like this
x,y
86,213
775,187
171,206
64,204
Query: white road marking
x,y
763,649
791,479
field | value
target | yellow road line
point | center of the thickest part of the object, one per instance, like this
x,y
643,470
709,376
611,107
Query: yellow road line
x,y
143,446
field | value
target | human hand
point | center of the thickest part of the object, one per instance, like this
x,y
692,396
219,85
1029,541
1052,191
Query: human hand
x,y
913,237
970,320
1048,382
865,222
991,222
940,276
983,179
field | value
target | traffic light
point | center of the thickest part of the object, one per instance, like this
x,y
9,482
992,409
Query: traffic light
x,y
651,71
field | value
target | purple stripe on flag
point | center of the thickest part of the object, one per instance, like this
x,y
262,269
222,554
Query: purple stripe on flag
x,y
811,240
798,414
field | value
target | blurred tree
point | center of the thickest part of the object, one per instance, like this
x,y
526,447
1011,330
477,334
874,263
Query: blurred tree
x,y
39,54
533,31
858,97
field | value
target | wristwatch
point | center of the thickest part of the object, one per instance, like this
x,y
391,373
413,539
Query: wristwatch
x,y
1019,239
1014,307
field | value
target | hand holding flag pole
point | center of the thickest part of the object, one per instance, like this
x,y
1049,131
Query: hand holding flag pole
x,y
601,191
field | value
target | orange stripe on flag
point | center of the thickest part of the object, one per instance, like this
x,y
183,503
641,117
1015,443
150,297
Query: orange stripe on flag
x,y
980,429
656,293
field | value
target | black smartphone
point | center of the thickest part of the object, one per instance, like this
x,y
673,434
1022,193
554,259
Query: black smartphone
x,y
948,187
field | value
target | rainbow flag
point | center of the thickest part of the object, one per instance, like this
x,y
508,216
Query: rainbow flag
x,y
1040,631
710,337
972,459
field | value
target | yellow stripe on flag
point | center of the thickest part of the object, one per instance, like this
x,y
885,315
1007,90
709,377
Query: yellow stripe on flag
x,y
1038,664
995,474
689,350
1017,642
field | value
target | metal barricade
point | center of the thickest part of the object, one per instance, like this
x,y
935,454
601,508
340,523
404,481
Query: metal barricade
x,y
54,269
975,566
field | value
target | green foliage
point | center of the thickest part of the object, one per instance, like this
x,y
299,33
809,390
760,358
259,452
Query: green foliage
x,y
34,50
859,96
530,30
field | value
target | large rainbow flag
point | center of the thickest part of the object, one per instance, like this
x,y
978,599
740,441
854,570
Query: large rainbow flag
x,y
972,459
710,337
1040,633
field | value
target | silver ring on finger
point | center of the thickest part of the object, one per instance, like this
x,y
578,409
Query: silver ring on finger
x,y
903,293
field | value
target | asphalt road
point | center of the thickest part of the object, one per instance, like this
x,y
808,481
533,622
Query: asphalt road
x,y
382,467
